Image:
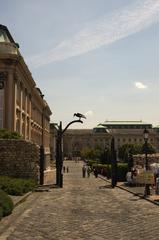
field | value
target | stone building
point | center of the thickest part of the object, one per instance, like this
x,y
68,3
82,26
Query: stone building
x,y
22,105
123,132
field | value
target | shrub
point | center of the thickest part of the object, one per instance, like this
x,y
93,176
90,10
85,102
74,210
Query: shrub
x,y
91,162
16,186
122,170
5,134
105,170
6,204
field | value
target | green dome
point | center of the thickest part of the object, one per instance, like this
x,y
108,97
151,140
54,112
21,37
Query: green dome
x,y
100,129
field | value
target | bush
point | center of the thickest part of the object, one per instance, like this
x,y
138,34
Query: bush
x,y
105,170
91,162
5,134
16,186
6,204
122,170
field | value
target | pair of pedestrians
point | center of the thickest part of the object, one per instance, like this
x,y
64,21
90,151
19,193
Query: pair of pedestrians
x,y
86,170
65,169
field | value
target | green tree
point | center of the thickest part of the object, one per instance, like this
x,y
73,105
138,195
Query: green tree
x,y
105,157
87,153
126,149
150,148
91,153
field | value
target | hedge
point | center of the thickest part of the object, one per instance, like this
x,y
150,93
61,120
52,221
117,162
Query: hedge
x,y
91,162
105,170
6,204
16,186
122,170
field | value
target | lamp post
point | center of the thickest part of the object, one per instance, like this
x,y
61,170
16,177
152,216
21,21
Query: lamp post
x,y
59,150
113,163
146,136
113,159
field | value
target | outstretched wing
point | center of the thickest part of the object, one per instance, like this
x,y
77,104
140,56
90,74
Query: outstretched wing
x,y
79,115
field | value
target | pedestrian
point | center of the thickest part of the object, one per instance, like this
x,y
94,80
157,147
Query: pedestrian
x,y
83,171
64,169
67,169
88,171
95,172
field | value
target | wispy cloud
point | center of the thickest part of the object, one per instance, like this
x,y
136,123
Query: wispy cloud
x,y
105,30
89,113
140,85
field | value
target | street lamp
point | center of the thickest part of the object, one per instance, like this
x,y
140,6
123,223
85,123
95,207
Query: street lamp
x,y
59,151
146,136
113,163
113,159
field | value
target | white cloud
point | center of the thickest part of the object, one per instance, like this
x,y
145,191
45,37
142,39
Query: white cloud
x,y
89,113
104,31
140,85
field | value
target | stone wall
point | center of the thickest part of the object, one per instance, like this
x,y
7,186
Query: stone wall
x,y
19,158
140,159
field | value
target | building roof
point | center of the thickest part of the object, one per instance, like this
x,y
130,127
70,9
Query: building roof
x,y
125,123
5,35
157,126
100,129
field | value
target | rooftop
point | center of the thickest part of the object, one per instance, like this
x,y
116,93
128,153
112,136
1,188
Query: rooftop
x,y
118,122
7,43
5,35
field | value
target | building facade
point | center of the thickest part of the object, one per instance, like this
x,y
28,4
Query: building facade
x,y
124,132
22,105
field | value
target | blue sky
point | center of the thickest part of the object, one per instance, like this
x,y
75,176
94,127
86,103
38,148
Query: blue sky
x,y
97,57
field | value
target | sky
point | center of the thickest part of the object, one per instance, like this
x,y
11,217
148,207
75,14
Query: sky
x,y
96,57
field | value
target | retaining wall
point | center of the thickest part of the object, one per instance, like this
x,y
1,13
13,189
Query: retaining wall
x,y
19,158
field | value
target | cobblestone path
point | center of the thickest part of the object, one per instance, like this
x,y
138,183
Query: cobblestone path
x,y
85,208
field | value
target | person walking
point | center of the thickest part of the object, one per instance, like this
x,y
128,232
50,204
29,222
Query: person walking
x,y
88,171
83,171
95,172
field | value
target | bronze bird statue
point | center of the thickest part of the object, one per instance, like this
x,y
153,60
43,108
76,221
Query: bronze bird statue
x,y
79,115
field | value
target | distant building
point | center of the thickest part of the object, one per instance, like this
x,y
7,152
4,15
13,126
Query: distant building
x,y
22,105
124,132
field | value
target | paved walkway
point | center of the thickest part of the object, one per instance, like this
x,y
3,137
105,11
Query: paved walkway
x,y
86,208
137,190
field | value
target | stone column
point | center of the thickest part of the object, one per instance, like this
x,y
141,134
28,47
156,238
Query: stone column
x,y
29,112
25,114
15,104
21,107
10,102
